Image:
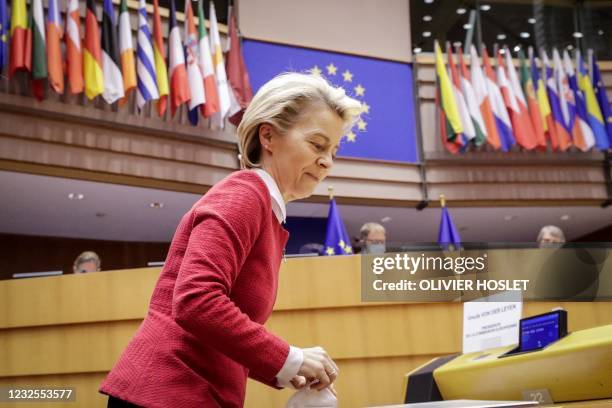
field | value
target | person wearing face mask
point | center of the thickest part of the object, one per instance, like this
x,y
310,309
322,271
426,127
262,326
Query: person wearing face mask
x,y
203,334
373,238
550,236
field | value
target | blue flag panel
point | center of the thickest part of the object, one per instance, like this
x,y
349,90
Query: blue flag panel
x,y
387,130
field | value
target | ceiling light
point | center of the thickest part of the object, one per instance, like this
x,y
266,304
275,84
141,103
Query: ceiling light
x,y
570,47
156,205
385,219
501,36
75,196
565,217
485,7
531,20
524,34
600,32
429,1
461,10
509,217
426,34
427,18
417,50
457,43
577,34
517,48
502,51
467,26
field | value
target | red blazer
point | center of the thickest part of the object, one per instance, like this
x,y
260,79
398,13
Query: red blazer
x,y
203,333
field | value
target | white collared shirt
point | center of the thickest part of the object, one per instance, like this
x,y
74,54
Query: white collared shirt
x,y
296,355
278,204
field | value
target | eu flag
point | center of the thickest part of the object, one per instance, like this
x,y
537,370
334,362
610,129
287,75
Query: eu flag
x,y
448,234
337,241
387,128
4,35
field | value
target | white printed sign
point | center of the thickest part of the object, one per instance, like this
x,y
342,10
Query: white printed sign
x,y
492,321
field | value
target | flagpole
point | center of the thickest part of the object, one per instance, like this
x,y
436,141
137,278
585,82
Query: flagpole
x,y
330,190
442,201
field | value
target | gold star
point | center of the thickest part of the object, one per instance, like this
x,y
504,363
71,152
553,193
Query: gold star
x,y
348,77
341,244
330,251
316,71
350,136
361,125
365,108
348,249
331,69
359,90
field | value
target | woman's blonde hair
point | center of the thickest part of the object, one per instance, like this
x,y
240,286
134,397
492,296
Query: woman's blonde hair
x,y
281,101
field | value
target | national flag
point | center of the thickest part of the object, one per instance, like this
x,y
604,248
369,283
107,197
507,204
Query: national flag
x,y
564,137
206,66
483,99
111,60
4,35
471,101
194,75
237,74
502,120
567,101
21,39
448,236
586,137
39,51
126,48
74,55
451,128
54,46
179,84
532,102
602,97
159,52
594,115
548,123
92,55
516,108
146,78
464,114
337,241
218,118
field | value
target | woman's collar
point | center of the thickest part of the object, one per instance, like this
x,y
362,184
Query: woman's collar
x,y
278,204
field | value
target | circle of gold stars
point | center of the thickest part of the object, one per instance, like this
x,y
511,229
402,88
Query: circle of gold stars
x,y
347,77
347,249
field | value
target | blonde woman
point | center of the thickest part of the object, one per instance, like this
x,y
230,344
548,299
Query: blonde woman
x,y
204,334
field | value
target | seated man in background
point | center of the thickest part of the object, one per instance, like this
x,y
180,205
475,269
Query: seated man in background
x,y
372,238
88,261
550,235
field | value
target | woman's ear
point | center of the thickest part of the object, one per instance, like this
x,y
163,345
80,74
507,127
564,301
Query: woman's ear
x,y
265,136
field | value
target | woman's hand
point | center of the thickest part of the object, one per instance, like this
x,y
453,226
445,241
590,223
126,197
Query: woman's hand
x,y
318,369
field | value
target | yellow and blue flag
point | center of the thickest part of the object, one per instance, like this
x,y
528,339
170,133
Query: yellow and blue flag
x,y
602,97
4,35
595,117
337,241
387,128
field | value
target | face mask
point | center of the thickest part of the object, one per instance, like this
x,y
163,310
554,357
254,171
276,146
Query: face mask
x,y
375,248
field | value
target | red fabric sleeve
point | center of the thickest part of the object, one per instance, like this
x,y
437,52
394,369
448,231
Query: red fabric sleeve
x,y
224,231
